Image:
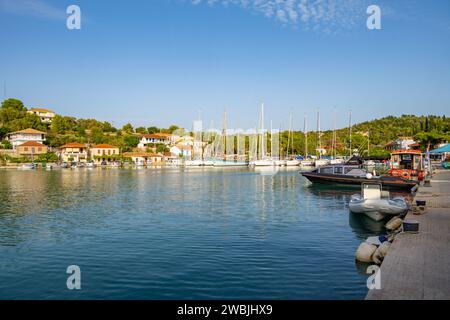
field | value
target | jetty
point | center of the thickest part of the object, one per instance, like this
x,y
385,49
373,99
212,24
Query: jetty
x,y
417,266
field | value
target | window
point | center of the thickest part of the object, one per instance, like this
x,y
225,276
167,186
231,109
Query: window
x,y
109,152
326,170
25,149
40,149
338,170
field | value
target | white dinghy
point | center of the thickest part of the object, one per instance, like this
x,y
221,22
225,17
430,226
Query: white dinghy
x,y
376,204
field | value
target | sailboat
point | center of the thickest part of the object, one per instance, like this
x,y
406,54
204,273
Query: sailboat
x,y
306,162
291,161
225,150
334,158
320,161
262,159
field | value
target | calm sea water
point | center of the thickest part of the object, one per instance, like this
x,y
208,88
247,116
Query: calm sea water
x,y
178,234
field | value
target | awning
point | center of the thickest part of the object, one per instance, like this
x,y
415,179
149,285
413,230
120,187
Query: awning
x,y
443,149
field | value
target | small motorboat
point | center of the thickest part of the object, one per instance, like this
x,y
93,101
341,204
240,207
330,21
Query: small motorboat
x,y
90,165
307,163
27,166
293,163
261,163
280,163
376,204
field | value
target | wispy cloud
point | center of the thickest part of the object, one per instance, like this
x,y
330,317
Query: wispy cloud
x,y
34,8
323,15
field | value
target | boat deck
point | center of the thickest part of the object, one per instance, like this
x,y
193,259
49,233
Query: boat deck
x,y
418,265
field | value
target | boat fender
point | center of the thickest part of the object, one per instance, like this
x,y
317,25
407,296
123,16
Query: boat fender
x,y
369,176
381,252
365,251
374,240
394,224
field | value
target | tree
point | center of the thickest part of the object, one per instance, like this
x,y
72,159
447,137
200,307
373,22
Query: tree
x,y
62,124
128,128
172,128
141,130
130,142
161,148
97,136
152,130
47,157
14,104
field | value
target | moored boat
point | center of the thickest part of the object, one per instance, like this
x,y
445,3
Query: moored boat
x,y
354,176
373,204
27,166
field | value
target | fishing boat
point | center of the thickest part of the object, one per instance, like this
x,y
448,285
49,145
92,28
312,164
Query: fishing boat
x,y
354,176
408,164
376,204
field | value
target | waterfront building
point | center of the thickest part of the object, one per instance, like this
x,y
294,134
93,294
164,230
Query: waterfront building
x,y
45,115
181,150
172,159
74,152
101,153
145,158
20,137
31,148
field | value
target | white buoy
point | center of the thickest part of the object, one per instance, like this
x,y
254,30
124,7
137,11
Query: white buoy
x,y
369,176
381,252
365,252
394,224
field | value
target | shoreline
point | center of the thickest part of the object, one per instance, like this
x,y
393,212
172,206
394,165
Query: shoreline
x,y
417,265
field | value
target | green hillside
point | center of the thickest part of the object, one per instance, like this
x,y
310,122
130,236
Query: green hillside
x,y
374,134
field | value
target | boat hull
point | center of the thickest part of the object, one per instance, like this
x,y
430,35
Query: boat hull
x,y
389,183
378,209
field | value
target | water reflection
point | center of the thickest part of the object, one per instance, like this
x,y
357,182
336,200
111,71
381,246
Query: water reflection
x,y
177,233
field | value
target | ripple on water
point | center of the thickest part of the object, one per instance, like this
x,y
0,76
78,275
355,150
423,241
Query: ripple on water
x,y
170,234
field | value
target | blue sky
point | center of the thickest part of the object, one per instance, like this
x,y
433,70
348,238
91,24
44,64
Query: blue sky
x,y
160,62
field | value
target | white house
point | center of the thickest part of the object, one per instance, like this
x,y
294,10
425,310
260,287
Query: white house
x,y
402,143
20,137
183,150
45,115
153,138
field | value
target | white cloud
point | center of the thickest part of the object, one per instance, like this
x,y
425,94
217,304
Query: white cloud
x,y
309,14
36,8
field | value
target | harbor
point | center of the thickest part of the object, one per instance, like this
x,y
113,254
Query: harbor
x,y
417,264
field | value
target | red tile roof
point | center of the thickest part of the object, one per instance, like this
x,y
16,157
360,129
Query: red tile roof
x,y
104,146
42,110
73,145
31,144
29,131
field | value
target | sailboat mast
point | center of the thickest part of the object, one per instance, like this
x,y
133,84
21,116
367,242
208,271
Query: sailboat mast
x,y
225,134
305,129
262,146
334,135
350,133
319,142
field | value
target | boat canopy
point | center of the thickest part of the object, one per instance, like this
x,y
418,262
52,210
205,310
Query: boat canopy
x,y
443,149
